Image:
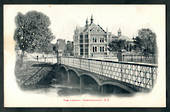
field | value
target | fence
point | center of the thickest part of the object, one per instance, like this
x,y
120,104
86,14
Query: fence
x,y
142,75
46,59
140,58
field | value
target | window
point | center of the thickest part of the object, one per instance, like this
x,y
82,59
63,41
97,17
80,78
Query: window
x,y
101,49
81,49
81,53
94,39
81,46
86,38
86,49
86,53
81,38
86,46
94,49
101,39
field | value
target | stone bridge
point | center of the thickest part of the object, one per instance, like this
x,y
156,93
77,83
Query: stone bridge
x,y
82,79
98,75
125,76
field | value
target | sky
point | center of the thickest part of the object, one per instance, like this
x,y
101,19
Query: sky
x,y
65,18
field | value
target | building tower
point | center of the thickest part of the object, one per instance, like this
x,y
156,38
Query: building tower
x,y
119,33
87,22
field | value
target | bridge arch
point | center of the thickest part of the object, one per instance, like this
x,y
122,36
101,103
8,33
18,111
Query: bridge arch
x,y
89,83
91,76
117,84
63,67
73,78
75,71
62,74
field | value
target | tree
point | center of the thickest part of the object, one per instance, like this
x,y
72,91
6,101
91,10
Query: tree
x,y
146,41
117,45
49,49
32,33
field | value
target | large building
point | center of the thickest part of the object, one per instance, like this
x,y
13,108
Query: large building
x,y
91,41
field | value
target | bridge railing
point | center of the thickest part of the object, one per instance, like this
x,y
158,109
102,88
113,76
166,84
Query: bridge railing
x,y
138,74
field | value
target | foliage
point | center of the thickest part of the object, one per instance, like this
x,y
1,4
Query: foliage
x,y
49,49
32,33
69,47
117,45
55,48
146,41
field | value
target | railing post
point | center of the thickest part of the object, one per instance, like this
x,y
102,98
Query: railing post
x,y
63,60
80,62
121,72
68,60
101,68
89,64
152,77
73,61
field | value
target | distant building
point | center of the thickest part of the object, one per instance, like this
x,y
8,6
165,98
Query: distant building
x,y
69,48
91,41
61,45
129,41
122,37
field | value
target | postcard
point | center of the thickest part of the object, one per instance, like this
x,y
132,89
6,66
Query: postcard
x,y
84,55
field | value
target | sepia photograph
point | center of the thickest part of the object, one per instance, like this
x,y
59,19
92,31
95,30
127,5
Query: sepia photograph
x,y
84,56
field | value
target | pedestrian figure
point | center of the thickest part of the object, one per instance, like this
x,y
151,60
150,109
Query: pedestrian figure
x,y
45,59
37,58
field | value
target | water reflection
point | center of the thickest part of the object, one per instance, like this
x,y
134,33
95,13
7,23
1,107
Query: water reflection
x,y
64,90
67,90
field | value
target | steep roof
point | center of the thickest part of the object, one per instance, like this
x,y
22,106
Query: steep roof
x,y
91,27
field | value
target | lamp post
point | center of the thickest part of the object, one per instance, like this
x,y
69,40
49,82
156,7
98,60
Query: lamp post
x,y
55,48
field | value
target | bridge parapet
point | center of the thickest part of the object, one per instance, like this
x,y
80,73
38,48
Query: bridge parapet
x,y
138,74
